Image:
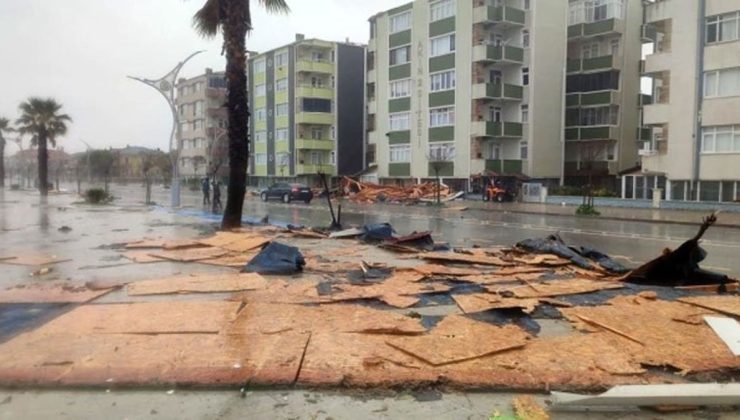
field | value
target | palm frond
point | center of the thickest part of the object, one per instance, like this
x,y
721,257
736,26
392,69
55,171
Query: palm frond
x,y
208,19
275,6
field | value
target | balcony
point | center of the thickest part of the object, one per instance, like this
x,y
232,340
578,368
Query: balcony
x,y
644,133
497,129
591,64
657,63
661,10
602,27
647,149
315,92
649,33
504,166
309,66
222,112
499,91
314,144
644,99
215,93
313,169
372,106
591,133
588,99
500,15
499,55
320,118
656,114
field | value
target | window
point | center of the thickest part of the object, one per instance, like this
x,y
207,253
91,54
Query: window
x,y
281,110
197,124
400,55
723,27
399,121
590,50
600,115
198,111
721,139
333,158
525,114
333,132
442,81
260,158
525,76
495,113
281,134
260,136
259,114
401,88
281,59
317,82
523,149
400,22
614,45
442,9
217,82
441,117
442,151
317,56
725,82
525,38
316,105
492,151
315,158
586,11
400,153
373,29
259,66
591,82
317,133
526,5
281,84
442,45
259,90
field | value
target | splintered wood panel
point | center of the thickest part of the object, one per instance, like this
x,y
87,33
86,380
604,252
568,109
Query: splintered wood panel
x,y
665,341
401,283
181,244
207,283
479,302
489,279
219,239
246,244
430,269
231,261
146,318
279,291
50,293
189,254
562,287
146,243
465,258
141,257
729,305
33,260
457,338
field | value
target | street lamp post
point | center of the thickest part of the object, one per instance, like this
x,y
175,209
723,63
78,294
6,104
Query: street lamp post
x,y
165,85
87,157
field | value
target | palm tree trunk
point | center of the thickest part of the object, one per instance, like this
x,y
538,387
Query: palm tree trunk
x,y
2,162
235,33
43,158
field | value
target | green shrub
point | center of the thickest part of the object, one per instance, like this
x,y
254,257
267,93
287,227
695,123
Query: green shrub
x,y
587,210
97,196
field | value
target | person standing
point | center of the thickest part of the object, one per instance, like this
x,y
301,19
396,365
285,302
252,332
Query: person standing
x,y
206,187
216,196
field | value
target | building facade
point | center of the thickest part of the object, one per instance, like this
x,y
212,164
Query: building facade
x,y
694,151
203,118
466,87
307,111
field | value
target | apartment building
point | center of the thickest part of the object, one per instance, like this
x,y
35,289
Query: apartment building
x,y
466,87
203,118
694,151
307,111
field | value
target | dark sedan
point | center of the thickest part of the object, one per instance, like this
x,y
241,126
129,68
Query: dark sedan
x,y
287,192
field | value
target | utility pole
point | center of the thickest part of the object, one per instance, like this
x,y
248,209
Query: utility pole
x,y
87,158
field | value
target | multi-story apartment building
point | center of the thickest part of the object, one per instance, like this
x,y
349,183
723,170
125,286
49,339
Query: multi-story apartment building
x,y
201,108
307,111
694,152
473,86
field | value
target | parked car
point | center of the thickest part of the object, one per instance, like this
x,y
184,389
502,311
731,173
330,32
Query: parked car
x,y
287,192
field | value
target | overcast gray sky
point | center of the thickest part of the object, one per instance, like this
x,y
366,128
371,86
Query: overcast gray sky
x,y
79,52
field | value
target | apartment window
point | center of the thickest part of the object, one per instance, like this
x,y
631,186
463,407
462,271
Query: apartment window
x,y
333,158
600,115
400,22
590,50
260,158
181,109
317,56
526,5
442,151
259,90
401,88
442,81
281,110
442,45
401,55
525,38
614,46
281,59
259,66
723,27
399,121
441,117
259,114
317,82
281,134
198,109
725,82
442,9
281,84
492,151
198,125
317,133
333,133
525,76
400,153
721,139
316,105
523,150
586,11
217,82
525,114
373,29
495,113
260,136
591,82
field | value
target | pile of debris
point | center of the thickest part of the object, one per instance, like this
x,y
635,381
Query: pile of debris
x,y
365,192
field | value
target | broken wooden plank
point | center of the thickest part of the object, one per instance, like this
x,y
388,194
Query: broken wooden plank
x,y
141,257
206,283
729,304
50,293
563,287
480,302
728,330
34,260
465,258
189,254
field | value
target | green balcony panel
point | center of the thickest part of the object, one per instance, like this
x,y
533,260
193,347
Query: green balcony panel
x,y
442,133
506,166
596,63
571,134
600,27
310,169
446,97
311,92
572,117
401,71
444,168
322,118
575,31
441,27
400,38
399,169
513,91
442,62
313,144
315,66
598,98
399,137
402,8
400,104
512,53
513,129
645,99
573,99
595,133
574,65
644,133
260,147
282,146
649,33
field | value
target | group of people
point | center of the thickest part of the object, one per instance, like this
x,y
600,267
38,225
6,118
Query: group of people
x,y
206,188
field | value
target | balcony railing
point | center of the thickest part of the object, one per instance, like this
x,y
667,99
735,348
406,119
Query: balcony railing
x,y
504,54
499,15
501,91
314,144
497,129
315,66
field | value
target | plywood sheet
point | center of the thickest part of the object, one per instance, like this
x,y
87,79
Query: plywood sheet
x,y
562,287
401,283
457,338
479,302
729,304
181,244
50,293
430,269
146,243
246,244
33,260
219,239
189,254
141,257
465,258
231,261
205,283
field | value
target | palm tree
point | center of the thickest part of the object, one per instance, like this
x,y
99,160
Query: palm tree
x,y
40,118
4,129
234,19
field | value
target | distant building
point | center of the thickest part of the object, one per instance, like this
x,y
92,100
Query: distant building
x,y
130,161
201,107
307,107
22,167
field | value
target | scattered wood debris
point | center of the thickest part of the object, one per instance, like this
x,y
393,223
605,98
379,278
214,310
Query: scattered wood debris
x,y
364,192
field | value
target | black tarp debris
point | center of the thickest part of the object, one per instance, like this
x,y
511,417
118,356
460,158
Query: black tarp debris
x,y
554,244
276,258
377,232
